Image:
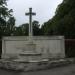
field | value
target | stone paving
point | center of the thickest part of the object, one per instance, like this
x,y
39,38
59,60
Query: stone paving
x,y
64,70
34,65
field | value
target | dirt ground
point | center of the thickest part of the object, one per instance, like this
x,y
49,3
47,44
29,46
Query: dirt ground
x,y
65,70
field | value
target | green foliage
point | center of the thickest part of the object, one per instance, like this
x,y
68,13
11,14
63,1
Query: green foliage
x,y
65,19
4,14
47,28
63,22
10,26
36,28
4,11
24,29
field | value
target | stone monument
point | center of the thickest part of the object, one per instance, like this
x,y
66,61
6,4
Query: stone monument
x,y
28,48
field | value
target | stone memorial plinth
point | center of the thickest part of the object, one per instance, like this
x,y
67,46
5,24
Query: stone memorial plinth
x,y
40,48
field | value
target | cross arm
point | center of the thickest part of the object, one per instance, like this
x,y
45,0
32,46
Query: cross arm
x,y
30,13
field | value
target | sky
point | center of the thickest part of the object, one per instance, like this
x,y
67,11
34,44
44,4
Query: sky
x,y
44,9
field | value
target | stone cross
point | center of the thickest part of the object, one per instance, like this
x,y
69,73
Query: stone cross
x,y
30,14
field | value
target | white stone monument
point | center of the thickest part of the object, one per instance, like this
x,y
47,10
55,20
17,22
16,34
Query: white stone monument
x,y
31,47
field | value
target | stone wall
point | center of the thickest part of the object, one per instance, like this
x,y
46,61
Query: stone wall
x,y
48,47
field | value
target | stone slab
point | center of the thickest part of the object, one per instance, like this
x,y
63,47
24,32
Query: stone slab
x,y
52,46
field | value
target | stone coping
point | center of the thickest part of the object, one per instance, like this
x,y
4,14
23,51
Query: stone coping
x,y
22,38
30,54
34,65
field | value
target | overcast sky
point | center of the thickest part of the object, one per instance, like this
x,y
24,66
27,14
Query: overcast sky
x,y
45,9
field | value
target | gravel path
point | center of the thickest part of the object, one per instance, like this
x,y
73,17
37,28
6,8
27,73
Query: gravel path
x,y
67,70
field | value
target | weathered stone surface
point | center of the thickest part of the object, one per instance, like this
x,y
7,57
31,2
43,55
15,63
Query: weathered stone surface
x,y
34,66
40,47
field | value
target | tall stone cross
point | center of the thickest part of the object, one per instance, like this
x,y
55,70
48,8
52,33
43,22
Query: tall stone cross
x,y
30,14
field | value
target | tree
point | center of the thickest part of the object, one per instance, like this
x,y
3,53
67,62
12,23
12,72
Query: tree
x,y
63,22
64,17
47,28
4,14
21,30
36,28
10,26
24,29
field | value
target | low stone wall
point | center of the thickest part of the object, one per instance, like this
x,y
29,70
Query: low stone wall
x,y
34,66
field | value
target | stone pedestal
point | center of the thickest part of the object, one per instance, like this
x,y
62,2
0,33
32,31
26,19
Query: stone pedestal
x,y
30,53
40,48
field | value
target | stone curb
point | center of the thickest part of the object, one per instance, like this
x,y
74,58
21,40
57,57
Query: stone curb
x,y
34,66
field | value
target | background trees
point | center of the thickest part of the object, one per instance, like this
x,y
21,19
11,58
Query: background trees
x,y
10,26
23,30
63,22
5,14
36,28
